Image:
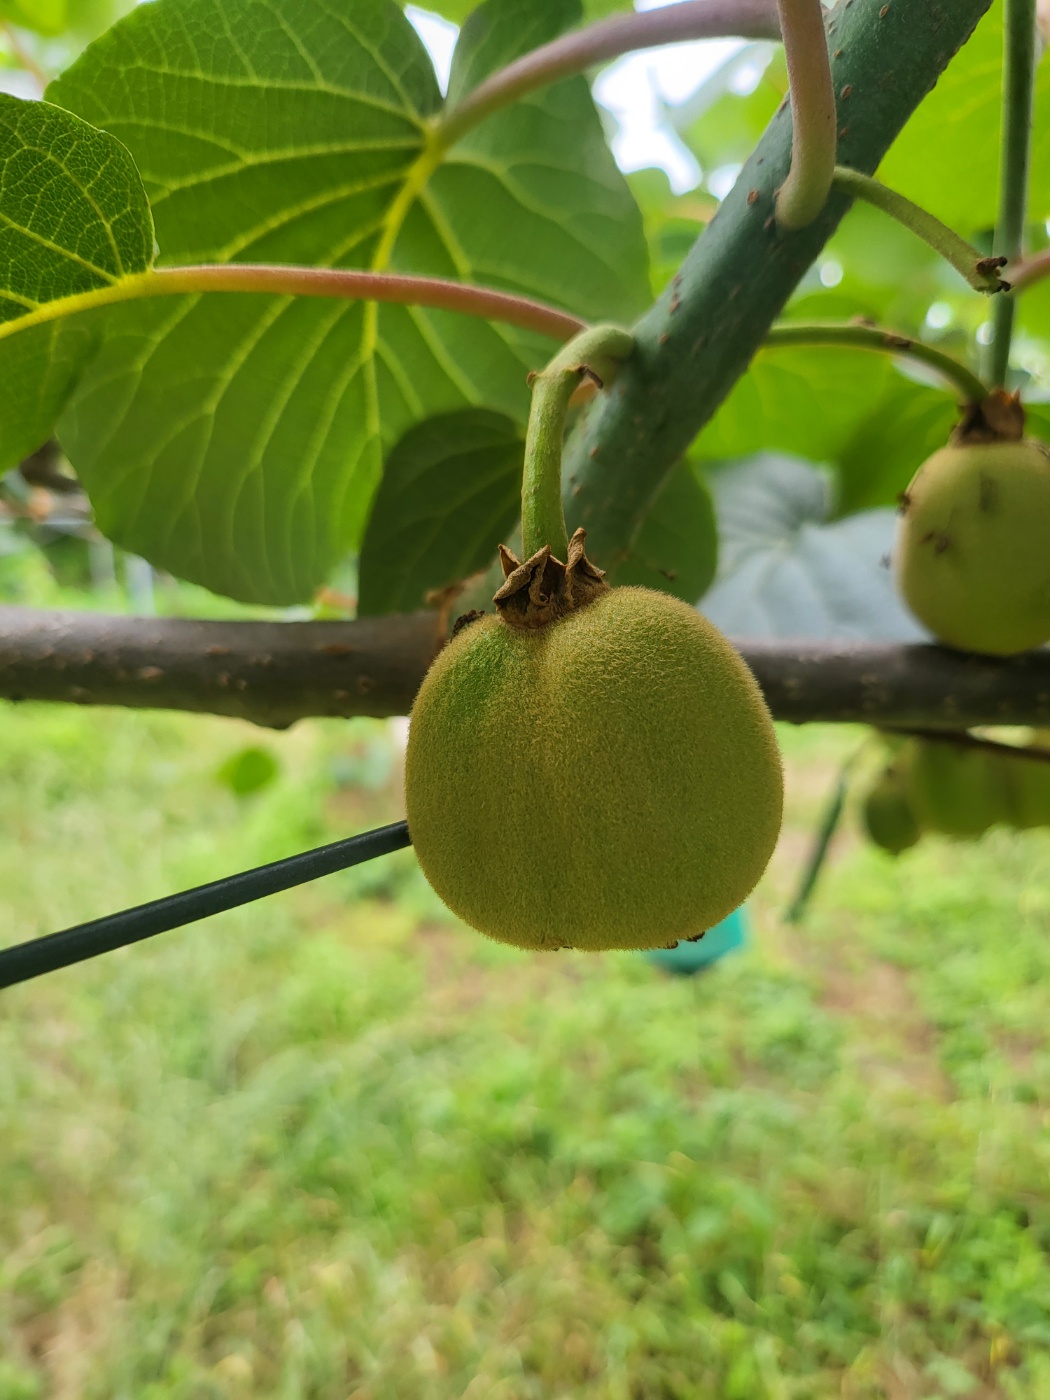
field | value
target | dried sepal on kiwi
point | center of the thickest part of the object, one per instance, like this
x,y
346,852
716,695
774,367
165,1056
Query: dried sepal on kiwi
x,y
543,589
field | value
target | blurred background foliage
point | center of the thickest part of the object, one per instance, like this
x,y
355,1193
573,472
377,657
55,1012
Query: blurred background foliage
x,y
41,37
334,1145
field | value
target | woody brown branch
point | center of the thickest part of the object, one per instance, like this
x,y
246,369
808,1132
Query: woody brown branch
x,y
274,673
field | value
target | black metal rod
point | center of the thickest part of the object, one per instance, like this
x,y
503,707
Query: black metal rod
x,y
73,945
829,823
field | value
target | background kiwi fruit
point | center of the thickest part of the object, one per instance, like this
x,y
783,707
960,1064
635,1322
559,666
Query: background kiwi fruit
x,y
971,557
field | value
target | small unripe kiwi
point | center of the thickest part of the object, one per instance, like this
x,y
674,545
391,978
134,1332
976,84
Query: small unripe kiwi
x,y
957,791
889,818
1027,782
609,780
972,558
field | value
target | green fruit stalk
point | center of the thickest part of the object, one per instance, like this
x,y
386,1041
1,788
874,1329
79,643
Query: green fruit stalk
x,y
608,779
972,556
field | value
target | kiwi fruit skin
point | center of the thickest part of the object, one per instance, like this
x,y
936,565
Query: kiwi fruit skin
x,y
971,555
889,818
609,781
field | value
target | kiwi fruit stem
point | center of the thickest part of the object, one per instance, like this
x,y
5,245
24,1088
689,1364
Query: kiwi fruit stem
x,y
555,577
999,417
595,354
982,273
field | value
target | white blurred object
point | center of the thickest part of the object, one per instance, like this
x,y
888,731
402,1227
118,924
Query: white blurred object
x,y
722,179
635,90
439,36
19,83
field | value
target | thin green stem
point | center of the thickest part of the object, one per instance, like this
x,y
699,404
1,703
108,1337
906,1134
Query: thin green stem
x,y
281,279
965,740
1019,55
862,337
598,351
981,273
813,119
608,39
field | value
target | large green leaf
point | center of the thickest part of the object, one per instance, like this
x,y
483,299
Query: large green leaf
x,y
786,571
454,10
798,400
238,441
947,157
498,31
73,218
889,443
851,409
74,213
451,491
676,550
458,10
39,368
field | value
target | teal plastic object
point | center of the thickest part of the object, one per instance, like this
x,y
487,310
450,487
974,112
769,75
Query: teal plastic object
x,y
688,958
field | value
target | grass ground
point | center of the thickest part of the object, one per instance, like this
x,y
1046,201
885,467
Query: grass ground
x,y
334,1145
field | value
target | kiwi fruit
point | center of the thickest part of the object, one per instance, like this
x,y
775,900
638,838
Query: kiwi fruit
x,y
957,791
1027,783
889,818
971,555
607,777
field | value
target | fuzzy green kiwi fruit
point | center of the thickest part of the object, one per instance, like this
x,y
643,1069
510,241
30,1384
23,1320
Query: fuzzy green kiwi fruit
x,y
971,557
888,815
610,779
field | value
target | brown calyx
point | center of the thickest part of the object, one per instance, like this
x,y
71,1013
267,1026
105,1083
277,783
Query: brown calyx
x,y
543,589
999,417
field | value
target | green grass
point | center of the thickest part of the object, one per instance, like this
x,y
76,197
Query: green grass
x,y
334,1145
